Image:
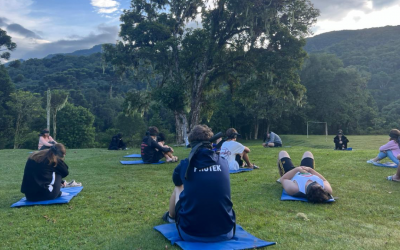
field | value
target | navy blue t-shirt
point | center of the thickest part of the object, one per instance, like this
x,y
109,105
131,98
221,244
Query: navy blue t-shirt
x,y
206,206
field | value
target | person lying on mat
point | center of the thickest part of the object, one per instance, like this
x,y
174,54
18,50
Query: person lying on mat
x,y
45,140
340,141
235,152
390,149
43,174
153,152
272,140
200,204
303,181
396,176
117,143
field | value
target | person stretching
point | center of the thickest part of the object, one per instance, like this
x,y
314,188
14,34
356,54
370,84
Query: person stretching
x,y
45,140
43,174
272,140
235,152
303,181
200,204
151,151
390,149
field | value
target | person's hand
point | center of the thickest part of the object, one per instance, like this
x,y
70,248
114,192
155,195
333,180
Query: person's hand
x,y
172,150
64,184
301,170
264,145
307,169
340,142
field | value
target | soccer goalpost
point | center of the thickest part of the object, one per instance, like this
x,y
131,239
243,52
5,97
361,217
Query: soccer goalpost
x,y
326,129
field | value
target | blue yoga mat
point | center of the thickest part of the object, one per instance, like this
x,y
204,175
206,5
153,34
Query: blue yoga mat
x,y
388,164
242,240
138,162
286,197
133,156
240,170
72,192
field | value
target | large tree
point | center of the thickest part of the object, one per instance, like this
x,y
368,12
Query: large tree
x,y
153,34
6,45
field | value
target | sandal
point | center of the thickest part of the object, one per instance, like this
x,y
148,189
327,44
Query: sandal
x,y
390,178
73,183
175,158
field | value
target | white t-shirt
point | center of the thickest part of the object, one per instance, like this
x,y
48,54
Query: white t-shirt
x,y
229,150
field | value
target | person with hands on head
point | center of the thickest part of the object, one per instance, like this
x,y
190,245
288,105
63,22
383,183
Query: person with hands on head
x,y
303,181
235,152
43,174
45,140
340,141
152,152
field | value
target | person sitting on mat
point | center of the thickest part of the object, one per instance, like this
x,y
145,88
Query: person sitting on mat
x,y
390,149
161,142
117,143
45,140
200,204
272,140
396,176
43,174
303,181
340,141
235,152
151,151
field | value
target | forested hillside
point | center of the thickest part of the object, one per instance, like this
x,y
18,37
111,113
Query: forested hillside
x,y
349,80
374,52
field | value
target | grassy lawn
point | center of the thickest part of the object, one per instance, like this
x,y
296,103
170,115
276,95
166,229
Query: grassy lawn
x,y
120,205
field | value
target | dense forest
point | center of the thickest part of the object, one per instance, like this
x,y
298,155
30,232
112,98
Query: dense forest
x,y
348,79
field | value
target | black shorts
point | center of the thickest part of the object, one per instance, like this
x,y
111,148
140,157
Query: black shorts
x,y
157,156
277,145
285,164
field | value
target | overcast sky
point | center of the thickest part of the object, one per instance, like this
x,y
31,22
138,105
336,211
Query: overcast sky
x,y
42,27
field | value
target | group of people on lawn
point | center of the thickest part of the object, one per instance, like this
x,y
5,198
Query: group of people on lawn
x,y
200,203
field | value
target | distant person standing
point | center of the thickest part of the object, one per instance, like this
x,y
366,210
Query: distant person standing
x,y
117,143
45,140
272,140
340,141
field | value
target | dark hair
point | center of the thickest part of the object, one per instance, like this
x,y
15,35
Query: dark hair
x,y
161,137
395,135
44,131
200,133
153,131
231,133
317,194
52,154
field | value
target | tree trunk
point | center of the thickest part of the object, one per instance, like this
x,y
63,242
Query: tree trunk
x,y
17,125
54,125
256,126
111,91
181,127
48,108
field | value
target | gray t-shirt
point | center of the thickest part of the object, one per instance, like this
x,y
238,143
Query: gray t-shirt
x,y
274,138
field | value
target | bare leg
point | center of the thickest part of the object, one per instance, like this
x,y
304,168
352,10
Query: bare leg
x,y
246,159
271,144
307,154
174,199
396,177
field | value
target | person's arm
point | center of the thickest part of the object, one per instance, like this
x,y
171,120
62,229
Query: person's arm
x,y
44,142
336,139
389,146
51,139
176,177
313,172
344,139
154,144
290,187
289,175
246,150
62,168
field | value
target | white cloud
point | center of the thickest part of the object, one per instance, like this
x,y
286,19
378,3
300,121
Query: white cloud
x,y
104,10
357,19
105,6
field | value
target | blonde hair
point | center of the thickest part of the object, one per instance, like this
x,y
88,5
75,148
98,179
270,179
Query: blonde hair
x,y
53,154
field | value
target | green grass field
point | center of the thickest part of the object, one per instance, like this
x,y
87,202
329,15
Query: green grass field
x,y
120,205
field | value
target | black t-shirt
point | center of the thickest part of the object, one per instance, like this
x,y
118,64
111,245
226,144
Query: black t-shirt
x,y
206,206
42,181
150,148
